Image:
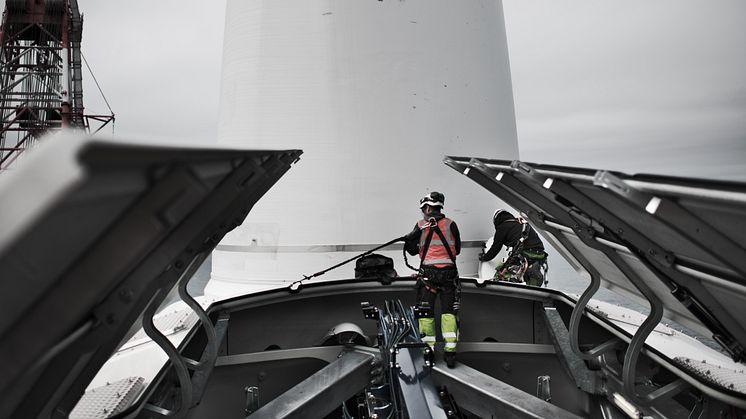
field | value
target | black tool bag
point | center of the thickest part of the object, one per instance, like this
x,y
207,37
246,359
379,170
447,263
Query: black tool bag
x,y
375,266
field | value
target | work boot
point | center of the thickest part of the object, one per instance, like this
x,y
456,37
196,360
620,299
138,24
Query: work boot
x,y
450,358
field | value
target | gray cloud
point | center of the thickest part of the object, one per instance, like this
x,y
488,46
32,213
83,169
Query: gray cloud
x,y
636,86
158,63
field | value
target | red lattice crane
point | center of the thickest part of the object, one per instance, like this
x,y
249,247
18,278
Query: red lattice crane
x,y
41,83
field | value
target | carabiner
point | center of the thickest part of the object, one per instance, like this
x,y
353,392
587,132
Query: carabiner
x,y
431,222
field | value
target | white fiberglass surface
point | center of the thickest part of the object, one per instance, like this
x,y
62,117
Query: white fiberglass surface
x,y
376,94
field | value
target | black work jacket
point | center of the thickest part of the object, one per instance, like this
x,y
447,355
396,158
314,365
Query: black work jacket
x,y
508,233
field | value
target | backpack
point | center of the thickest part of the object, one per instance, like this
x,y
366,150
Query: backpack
x,y
375,266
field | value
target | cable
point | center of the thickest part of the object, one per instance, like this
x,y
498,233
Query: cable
x,y
406,261
97,85
294,286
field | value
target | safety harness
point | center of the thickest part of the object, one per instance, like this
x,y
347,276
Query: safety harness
x,y
433,224
516,264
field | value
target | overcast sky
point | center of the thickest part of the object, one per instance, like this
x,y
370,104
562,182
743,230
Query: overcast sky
x,y
639,86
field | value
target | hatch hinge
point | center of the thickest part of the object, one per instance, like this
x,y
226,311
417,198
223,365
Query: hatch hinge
x,y
190,386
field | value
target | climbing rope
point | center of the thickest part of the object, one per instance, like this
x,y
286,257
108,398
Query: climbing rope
x,y
295,285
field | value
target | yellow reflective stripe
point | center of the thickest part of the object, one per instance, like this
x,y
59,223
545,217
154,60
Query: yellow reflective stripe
x,y
450,345
447,335
448,324
428,338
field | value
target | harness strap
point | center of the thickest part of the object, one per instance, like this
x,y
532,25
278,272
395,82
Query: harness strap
x,y
445,244
428,239
518,248
431,288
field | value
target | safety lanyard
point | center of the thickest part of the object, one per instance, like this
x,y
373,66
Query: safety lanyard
x,y
524,235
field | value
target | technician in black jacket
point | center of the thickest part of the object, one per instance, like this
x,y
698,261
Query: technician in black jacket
x,y
527,259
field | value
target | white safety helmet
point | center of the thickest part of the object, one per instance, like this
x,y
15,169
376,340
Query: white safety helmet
x,y
434,199
500,212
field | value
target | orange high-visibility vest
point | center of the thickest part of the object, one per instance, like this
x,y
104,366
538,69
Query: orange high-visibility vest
x,y
437,255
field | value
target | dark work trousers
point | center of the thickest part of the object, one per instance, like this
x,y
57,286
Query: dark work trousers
x,y
444,282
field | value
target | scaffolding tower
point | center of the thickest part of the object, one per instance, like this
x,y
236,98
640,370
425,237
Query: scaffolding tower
x,y
40,74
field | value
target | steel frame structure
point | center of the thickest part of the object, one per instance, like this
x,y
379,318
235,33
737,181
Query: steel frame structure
x,y
41,83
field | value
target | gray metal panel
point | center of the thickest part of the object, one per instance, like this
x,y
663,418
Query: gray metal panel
x,y
681,237
322,392
108,400
489,397
716,375
94,231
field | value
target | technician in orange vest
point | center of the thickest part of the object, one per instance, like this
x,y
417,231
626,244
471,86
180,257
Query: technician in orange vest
x,y
437,241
